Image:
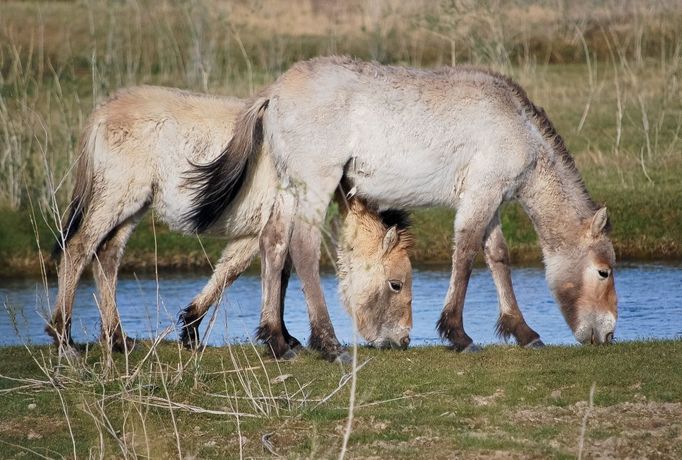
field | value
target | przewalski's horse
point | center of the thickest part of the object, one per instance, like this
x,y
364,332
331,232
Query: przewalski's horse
x,y
458,137
376,317
134,151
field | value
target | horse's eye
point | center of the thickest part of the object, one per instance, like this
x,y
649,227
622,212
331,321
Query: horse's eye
x,y
395,285
603,274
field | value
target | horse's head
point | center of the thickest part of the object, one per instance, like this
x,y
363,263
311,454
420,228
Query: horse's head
x,y
376,277
581,279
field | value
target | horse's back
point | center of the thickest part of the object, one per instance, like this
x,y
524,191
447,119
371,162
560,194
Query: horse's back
x,y
145,137
436,131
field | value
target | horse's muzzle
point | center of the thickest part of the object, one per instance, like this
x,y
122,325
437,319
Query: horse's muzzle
x,y
596,329
596,338
392,343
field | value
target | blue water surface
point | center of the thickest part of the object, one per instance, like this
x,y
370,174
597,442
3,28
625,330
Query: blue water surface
x,y
650,306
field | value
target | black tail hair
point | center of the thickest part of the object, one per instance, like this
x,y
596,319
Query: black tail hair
x,y
217,183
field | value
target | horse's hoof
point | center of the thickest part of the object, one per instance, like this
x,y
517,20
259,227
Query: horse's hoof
x,y
191,344
472,348
190,339
344,358
537,343
289,355
130,344
119,347
69,351
294,343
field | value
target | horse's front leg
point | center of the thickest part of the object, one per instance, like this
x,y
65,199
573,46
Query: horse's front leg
x,y
235,259
511,321
471,221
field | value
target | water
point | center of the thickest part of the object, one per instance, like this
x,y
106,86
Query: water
x,y
650,306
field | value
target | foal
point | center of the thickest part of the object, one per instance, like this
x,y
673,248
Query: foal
x,y
133,154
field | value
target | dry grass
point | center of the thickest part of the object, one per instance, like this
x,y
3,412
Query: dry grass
x,y
230,402
58,59
608,74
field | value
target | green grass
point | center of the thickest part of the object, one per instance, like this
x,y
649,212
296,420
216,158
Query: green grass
x,y
607,77
424,401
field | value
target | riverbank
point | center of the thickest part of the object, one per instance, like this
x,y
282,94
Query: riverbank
x,y
426,401
641,232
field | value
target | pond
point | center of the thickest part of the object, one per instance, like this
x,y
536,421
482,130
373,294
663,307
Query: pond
x,y
650,306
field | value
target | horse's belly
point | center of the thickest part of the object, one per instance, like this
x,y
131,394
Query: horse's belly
x,y
407,179
403,191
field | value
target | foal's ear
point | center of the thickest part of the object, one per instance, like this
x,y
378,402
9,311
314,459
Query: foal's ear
x,y
600,223
390,240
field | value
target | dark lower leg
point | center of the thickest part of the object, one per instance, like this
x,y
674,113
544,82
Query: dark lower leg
x,y
511,321
512,325
59,328
470,228
451,325
190,319
236,258
286,274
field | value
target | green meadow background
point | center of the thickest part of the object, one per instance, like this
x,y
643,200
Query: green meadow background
x,y
607,73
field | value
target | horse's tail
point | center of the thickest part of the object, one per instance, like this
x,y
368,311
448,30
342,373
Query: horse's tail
x,y
217,183
82,189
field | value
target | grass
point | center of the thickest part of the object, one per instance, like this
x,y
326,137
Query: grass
x,y
608,76
226,402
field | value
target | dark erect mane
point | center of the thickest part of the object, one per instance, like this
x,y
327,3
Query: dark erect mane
x,y
397,217
549,132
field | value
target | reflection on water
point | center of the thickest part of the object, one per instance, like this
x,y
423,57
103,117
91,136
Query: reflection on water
x,y
650,306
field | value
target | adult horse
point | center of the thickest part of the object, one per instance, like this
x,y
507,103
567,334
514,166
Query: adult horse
x,y
134,151
459,137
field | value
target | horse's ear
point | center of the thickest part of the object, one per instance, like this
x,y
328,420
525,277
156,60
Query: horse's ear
x,y
600,222
390,240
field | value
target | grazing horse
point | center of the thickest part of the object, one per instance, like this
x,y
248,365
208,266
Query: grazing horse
x,y
133,153
460,137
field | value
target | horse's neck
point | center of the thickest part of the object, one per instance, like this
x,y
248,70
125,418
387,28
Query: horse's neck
x,y
557,204
362,229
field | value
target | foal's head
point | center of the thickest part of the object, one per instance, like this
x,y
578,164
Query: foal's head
x,y
376,275
582,281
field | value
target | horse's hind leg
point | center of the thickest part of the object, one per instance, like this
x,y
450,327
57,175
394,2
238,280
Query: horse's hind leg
x,y
105,271
286,274
77,254
274,247
511,321
236,258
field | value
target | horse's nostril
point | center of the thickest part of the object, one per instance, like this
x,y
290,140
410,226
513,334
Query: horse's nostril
x,y
405,341
609,337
